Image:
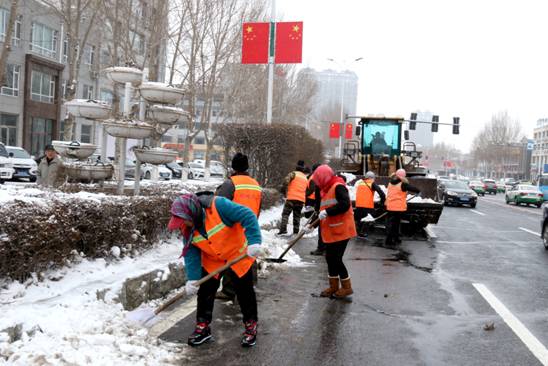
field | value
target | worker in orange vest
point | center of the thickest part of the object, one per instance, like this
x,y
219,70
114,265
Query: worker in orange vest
x,y
244,190
216,230
337,227
396,205
295,184
365,200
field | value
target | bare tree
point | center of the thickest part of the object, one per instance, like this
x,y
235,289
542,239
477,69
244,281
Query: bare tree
x,y
8,41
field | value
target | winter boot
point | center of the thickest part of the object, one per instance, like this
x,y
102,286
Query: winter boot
x,y
249,338
333,287
201,334
282,232
345,290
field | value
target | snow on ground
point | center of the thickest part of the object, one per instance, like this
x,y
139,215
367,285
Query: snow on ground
x,y
78,328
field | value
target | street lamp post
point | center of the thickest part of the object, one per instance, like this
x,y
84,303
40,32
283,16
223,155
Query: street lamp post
x,y
342,65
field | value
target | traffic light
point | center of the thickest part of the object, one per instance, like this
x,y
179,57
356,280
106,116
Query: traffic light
x,y
406,135
456,126
435,121
412,123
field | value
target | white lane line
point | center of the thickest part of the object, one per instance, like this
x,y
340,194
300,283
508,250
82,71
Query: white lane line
x,y
180,313
534,345
477,212
530,231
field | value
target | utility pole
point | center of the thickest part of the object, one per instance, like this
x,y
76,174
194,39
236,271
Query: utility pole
x,y
271,62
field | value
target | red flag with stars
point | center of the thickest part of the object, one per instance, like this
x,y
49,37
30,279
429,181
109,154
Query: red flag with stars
x,y
334,130
348,131
289,43
255,43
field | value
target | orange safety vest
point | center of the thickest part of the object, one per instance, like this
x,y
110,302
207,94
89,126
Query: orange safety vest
x,y
339,227
365,196
296,191
396,199
223,243
247,192
311,196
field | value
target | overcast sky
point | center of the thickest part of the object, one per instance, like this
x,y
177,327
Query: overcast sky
x,y
466,58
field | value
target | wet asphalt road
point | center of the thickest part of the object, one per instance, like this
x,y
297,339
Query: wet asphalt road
x,y
413,308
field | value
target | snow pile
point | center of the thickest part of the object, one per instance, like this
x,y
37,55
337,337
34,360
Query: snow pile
x,y
418,199
74,326
368,218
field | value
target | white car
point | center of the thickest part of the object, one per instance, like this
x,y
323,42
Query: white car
x,y
163,172
6,166
23,165
216,168
195,170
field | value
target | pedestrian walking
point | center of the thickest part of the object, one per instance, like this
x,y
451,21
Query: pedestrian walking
x,y
50,171
216,230
295,184
396,205
244,190
337,227
365,200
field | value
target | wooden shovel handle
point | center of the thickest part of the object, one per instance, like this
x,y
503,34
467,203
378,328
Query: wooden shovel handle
x,y
181,294
297,238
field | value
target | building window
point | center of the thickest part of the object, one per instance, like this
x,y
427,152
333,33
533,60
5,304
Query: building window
x,y
86,134
180,139
4,20
43,87
105,56
65,49
88,92
106,96
198,140
64,89
8,129
11,86
138,42
89,54
43,40
41,135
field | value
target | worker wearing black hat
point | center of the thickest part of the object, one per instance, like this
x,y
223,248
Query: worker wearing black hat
x,y
246,191
50,171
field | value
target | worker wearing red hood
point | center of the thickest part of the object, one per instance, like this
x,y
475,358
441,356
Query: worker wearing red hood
x,y
337,227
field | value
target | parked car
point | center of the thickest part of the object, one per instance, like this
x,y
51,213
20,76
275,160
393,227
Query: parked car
x,y
163,172
527,194
6,166
176,170
544,227
477,187
23,165
130,169
454,192
195,171
490,186
216,168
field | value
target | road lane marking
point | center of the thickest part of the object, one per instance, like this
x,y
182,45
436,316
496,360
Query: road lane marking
x,y
530,231
534,345
532,211
180,313
477,212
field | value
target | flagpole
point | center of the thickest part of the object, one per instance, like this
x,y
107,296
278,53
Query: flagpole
x,y
271,63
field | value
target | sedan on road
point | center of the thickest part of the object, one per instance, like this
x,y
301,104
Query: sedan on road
x,y
527,194
457,193
477,187
490,186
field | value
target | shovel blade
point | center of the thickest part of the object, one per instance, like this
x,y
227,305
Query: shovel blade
x,y
145,317
274,260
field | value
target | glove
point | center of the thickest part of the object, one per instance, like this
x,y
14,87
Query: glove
x,y
255,250
191,288
322,215
308,229
308,209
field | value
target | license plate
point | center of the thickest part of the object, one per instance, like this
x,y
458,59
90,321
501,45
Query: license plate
x,y
532,194
464,199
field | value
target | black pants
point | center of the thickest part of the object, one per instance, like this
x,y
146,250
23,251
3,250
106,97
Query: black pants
x,y
321,244
228,280
244,292
359,214
292,206
393,227
334,257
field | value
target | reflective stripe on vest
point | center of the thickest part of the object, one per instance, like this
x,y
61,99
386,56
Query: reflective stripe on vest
x,y
339,227
365,195
396,199
296,191
247,192
223,243
311,196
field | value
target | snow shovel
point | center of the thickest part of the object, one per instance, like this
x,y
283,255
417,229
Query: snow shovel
x,y
291,244
144,315
373,219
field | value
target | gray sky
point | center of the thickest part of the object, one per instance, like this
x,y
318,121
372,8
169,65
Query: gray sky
x,y
466,58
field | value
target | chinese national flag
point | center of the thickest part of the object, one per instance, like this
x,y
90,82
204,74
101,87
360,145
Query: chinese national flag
x,y
255,42
334,130
349,130
289,43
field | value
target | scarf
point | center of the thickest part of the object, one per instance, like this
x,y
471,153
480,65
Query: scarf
x,y
188,207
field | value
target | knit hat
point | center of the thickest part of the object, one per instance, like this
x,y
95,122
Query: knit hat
x,y
300,166
240,162
370,175
400,173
